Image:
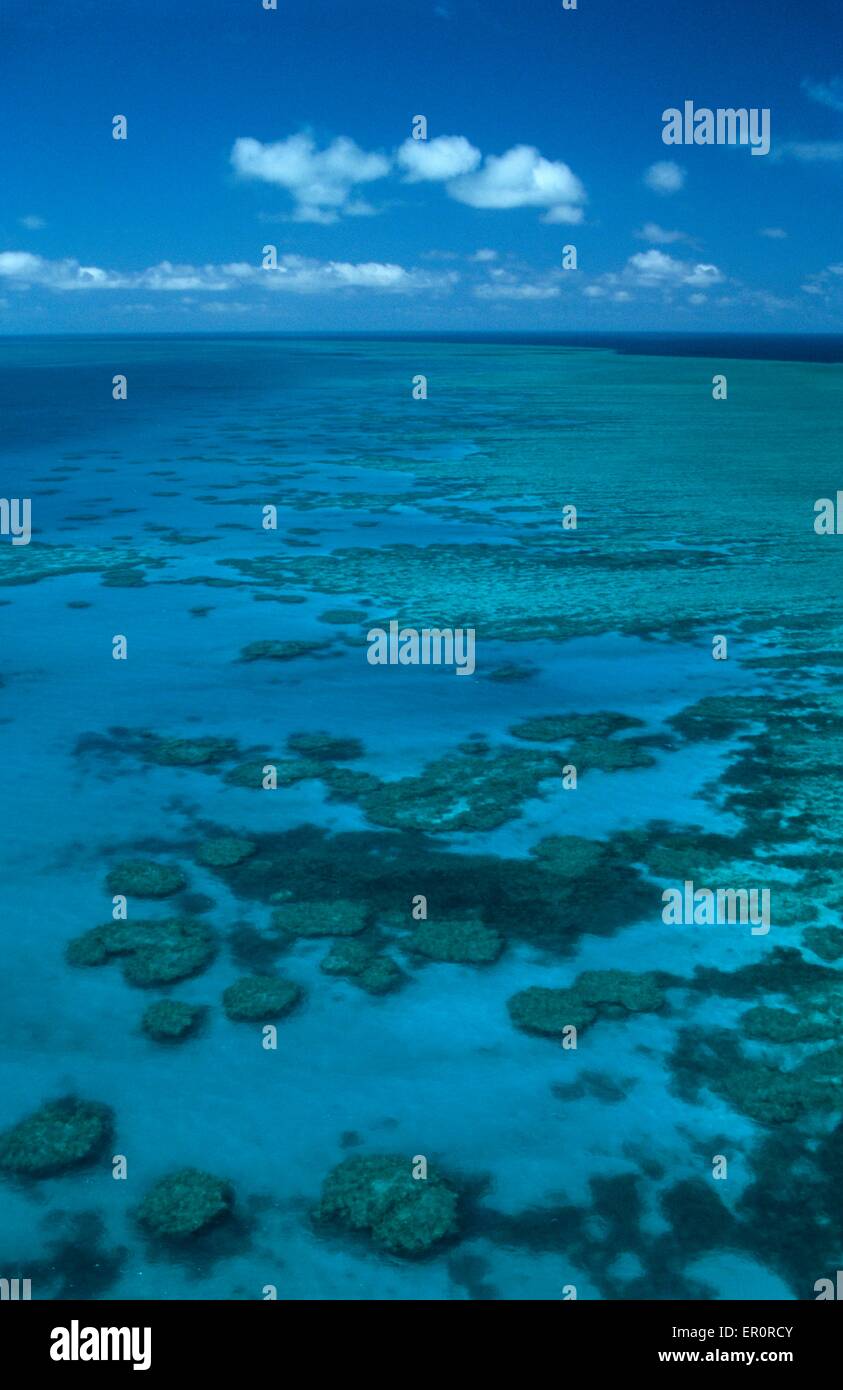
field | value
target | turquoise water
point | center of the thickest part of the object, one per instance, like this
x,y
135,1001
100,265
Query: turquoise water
x,y
591,1166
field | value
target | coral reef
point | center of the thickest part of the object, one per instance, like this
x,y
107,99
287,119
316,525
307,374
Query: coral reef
x,y
288,771
321,917
372,971
223,851
190,752
170,1020
60,1135
825,942
275,650
567,728
761,1089
377,1193
185,1203
152,952
569,856
143,878
325,748
260,998
467,941
594,994
462,792
343,615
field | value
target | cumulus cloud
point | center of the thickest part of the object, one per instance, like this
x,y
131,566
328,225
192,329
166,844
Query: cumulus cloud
x,y
321,182
24,269
563,212
826,93
664,176
305,276
517,291
825,280
607,292
656,235
429,161
811,151
774,233
655,269
297,274
484,253
520,178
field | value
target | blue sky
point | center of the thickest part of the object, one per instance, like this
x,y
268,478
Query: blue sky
x,y
293,128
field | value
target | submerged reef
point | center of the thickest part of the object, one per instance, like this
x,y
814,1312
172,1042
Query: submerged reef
x,y
60,1135
143,878
760,1088
36,561
273,650
288,771
184,1203
366,967
825,942
461,792
567,728
467,941
377,1193
152,952
569,886
170,1020
189,752
594,994
325,748
260,998
223,851
321,917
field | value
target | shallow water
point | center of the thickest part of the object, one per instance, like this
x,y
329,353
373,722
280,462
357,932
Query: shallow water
x,y
698,524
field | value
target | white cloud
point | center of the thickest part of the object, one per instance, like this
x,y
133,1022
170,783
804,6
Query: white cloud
x,y
305,276
774,233
33,222
427,161
563,212
829,279
652,232
664,176
827,93
520,178
812,152
655,269
23,268
517,291
485,253
320,181
297,274
606,292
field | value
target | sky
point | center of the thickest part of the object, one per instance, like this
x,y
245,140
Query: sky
x,y
292,128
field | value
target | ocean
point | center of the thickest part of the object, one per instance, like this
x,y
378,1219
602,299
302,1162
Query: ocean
x,y
207,558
